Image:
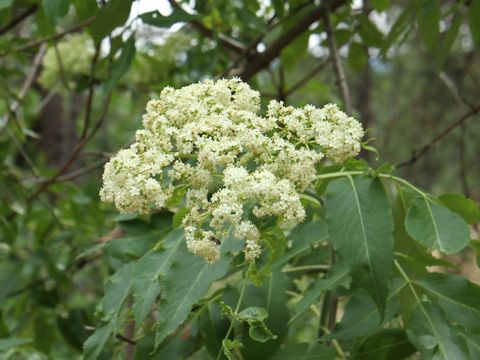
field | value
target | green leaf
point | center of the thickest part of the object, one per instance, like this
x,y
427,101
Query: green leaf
x,y
403,22
380,5
96,342
428,24
458,297
433,335
113,15
357,56
370,34
148,272
436,227
117,289
303,236
121,65
5,3
360,224
466,208
474,21
184,284
361,318
154,18
55,9
10,343
271,296
253,314
295,52
391,344
337,277
310,351
449,37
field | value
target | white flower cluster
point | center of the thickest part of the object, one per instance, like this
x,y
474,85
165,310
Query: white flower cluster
x,y
237,165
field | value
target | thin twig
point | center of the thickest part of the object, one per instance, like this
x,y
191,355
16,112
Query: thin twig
x,y
18,19
228,42
417,154
27,84
306,78
91,90
337,63
46,39
259,62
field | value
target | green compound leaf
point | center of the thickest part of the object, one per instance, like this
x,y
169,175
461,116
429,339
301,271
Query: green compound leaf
x,y
148,272
117,290
433,335
185,283
436,227
360,224
337,277
458,298
55,9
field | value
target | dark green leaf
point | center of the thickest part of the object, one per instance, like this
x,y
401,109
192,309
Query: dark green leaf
x,y
185,283
96,342
121,65
156,19
147,274
338,276
433,335
428,24
474,21
436,226
360,223
361,318
55,9
357,56
113,15
458,297
449,37
389,344
466,208
310,351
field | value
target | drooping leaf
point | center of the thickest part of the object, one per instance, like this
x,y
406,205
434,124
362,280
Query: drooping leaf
x,y
433,335
474,21
466,208
403,22
360,225
113,15
271,296
96,342
428,23
154,18
117,290
449,37
357,56
458,298
121,65
391,344
148,272
184,284
436,226
55,9
361,318
339,276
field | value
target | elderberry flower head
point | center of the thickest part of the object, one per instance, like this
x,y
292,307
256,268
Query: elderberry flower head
x,y
237,165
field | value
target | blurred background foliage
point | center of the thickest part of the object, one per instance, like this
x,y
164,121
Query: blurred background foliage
x,y
75,77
